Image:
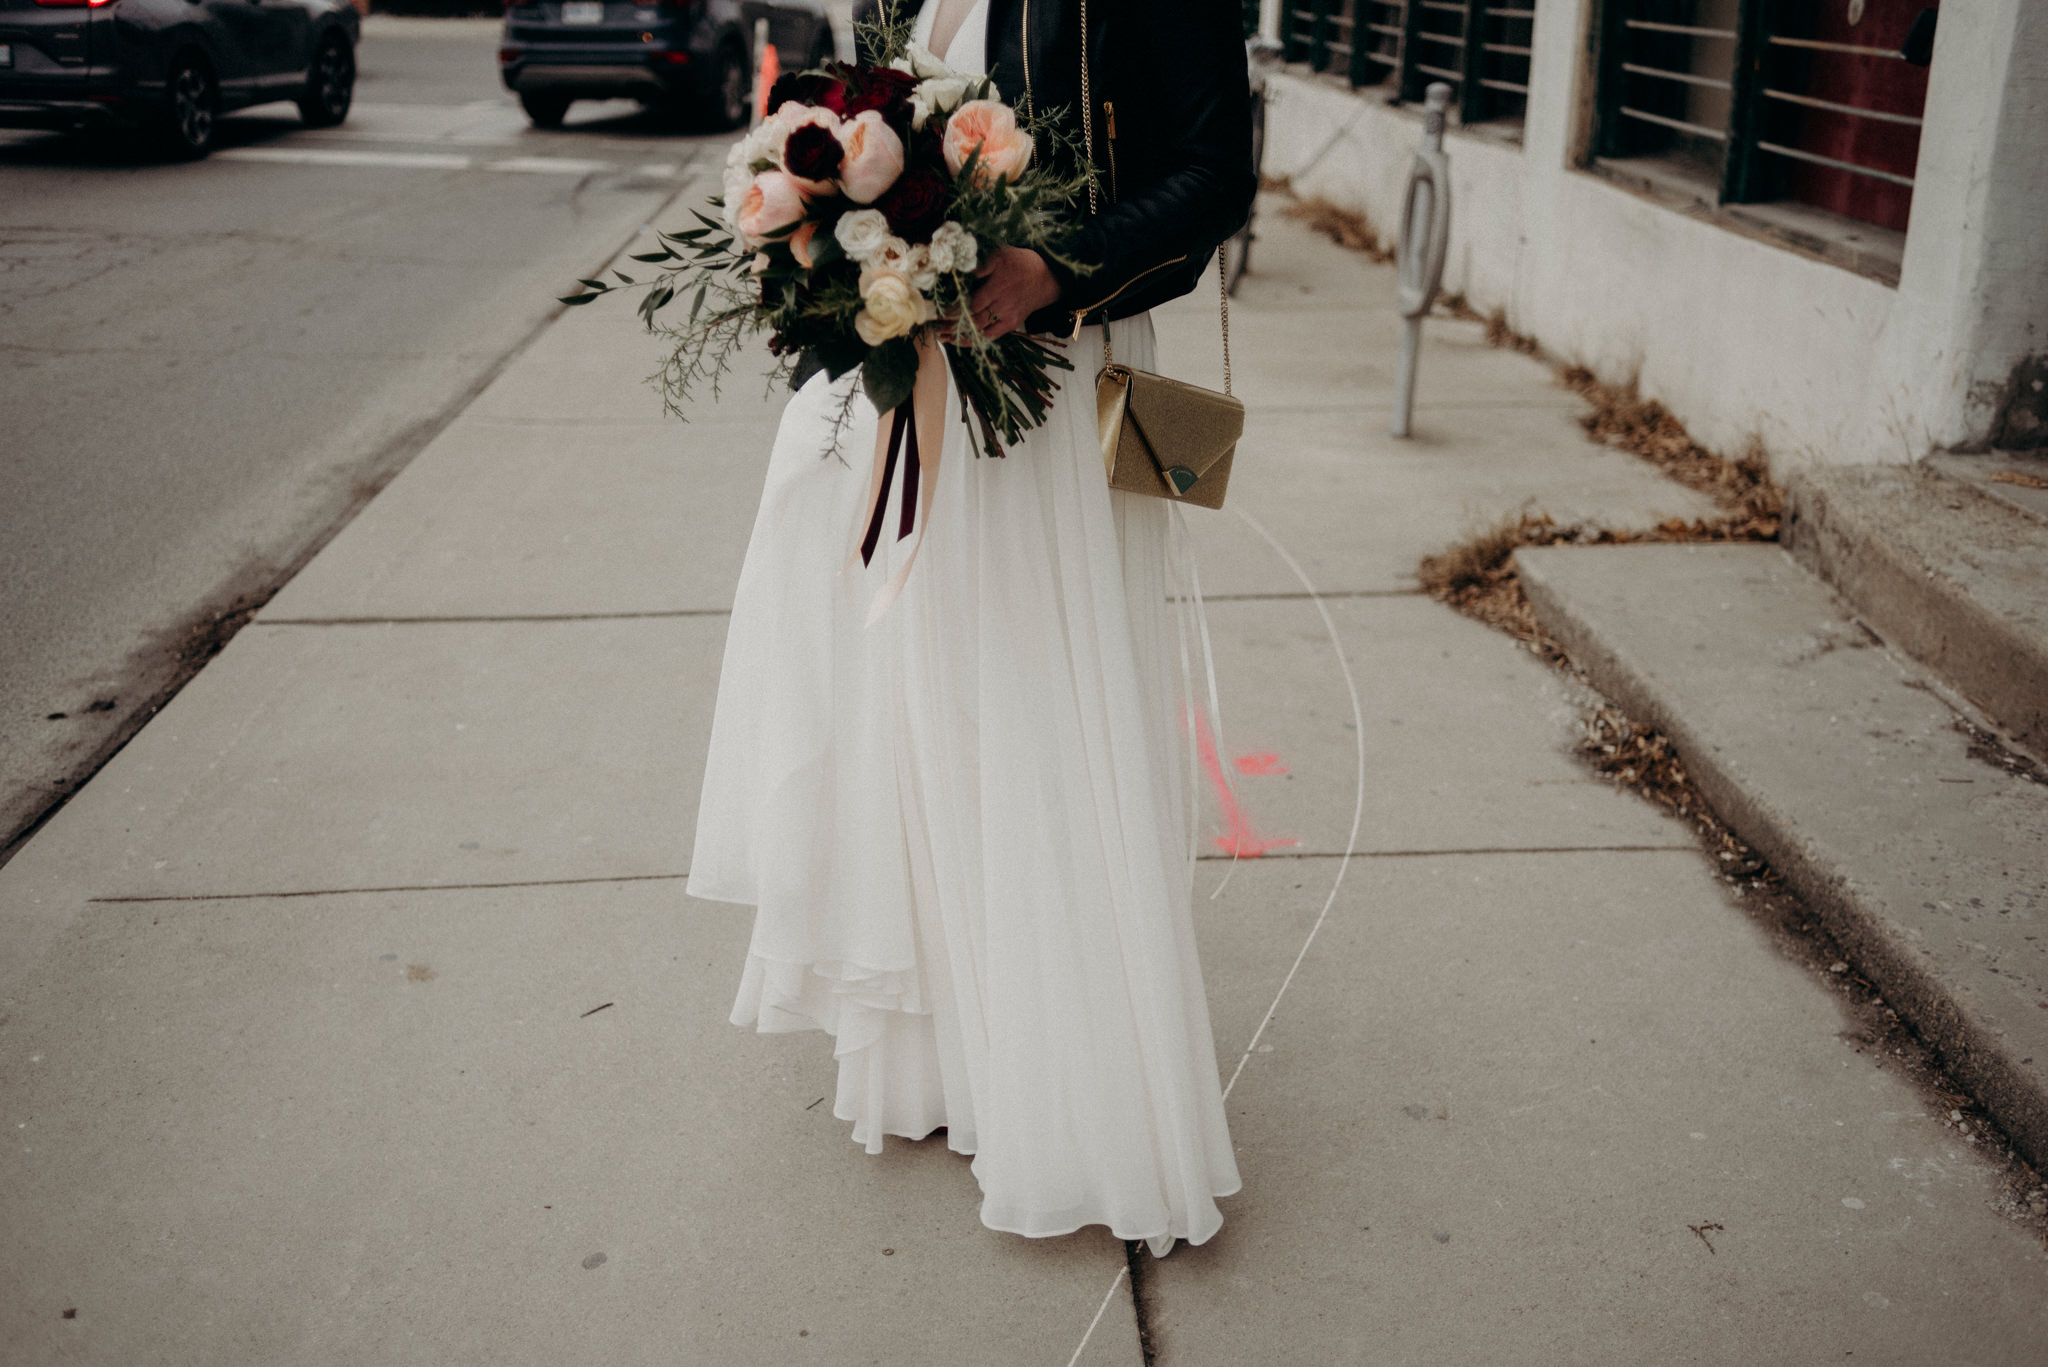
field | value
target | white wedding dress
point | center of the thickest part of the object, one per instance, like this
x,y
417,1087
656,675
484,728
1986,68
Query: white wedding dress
x,y
966,827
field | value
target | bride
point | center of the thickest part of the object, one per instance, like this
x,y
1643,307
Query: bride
x,y
966,827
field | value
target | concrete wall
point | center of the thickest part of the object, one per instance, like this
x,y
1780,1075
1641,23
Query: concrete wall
x,y
1738,335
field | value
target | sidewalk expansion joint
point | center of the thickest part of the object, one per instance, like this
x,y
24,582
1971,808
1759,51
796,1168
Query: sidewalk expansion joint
x,y
1305,597
399,887
1458,850
509,617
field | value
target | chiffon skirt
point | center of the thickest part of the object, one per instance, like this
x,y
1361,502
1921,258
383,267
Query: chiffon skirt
x,y
966,826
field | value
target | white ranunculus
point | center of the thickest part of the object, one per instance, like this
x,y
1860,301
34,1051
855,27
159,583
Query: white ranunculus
x,y
917,264
954,249
892,255
862,233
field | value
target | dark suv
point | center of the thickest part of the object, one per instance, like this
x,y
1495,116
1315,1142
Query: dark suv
x,y
173,66
693,56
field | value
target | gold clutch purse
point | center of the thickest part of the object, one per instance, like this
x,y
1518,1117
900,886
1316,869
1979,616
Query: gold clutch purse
x,y
1166,438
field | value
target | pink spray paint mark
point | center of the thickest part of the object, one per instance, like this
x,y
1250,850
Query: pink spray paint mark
x,y
1238,838
1260,765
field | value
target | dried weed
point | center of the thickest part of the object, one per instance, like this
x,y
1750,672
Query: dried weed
x,y
1345,227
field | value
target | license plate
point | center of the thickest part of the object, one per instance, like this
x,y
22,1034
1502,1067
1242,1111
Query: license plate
x,y
583,11
6,54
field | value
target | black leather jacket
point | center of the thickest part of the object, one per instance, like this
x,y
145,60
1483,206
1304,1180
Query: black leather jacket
x,y
1173,138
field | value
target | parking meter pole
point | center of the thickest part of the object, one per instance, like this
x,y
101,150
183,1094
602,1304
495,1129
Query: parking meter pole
x,y
1425,236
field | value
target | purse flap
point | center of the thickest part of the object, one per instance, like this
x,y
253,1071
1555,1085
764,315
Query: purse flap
x,y
1183,424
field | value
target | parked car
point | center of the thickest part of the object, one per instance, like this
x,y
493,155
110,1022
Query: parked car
x,y
692,56
173,66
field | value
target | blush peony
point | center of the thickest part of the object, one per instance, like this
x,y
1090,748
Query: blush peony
x,y
873,157
770,203
990,128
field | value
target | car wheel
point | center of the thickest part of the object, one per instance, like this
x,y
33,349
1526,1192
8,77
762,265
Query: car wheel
x,y
546,111
330,84
723,103
191,109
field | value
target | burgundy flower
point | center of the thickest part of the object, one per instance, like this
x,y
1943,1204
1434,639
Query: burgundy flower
x,y
914,205
813,152
883,88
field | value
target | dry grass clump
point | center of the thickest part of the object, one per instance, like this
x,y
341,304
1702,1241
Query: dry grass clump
x,y
1345,227
1624,419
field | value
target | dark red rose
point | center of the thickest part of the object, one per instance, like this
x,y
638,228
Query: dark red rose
x,y
813,153
883,88
914,205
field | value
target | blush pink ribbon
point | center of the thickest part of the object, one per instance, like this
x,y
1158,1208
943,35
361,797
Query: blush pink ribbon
x,y
913,433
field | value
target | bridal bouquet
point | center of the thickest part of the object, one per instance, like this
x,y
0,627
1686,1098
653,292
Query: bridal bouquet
x,y
852,223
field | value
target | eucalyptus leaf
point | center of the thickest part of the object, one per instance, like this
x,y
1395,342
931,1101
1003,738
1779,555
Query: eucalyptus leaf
x,y
889,373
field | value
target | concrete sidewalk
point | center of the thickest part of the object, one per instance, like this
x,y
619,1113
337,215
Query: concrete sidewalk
x,y
355,1013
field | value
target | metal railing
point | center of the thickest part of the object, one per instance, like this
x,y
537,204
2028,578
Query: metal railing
x,y
1768,97
1480,48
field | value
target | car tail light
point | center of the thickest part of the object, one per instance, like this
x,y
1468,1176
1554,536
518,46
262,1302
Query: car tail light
x,y
670,58
74,4
507,55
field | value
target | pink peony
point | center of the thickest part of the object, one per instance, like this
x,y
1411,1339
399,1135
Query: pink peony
x,y
770,203
991,127
874,157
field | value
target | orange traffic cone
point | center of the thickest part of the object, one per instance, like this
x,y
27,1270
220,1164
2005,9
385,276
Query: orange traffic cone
x,y
771,71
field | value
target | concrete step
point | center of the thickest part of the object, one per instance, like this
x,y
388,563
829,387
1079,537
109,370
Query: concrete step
x,y
1923,853
1948,565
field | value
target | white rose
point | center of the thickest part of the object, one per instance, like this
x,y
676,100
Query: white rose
x,y
862,233
954,249
893,307
921,62
938,95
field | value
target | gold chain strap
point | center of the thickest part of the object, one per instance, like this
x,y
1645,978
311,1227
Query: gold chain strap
x,y
1088,141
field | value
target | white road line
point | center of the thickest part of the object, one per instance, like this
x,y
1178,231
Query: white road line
x,y
560,166
335,156
440,161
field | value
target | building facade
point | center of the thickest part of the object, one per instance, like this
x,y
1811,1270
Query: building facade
x,y
1821,223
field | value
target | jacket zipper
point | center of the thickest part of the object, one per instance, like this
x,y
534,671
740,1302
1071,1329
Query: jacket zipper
x,y
1109,119
1082,313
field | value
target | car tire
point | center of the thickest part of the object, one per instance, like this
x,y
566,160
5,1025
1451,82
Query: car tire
x,y
546,111
330,83
722,104
191,108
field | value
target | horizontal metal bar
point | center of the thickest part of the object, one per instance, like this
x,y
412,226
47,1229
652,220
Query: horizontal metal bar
x,y
1509,13
1852,49
1452,76
1681,125
1688,29
1818,160
1446,39
1711,82
1447,5
1391,30
1504,85
1505,47
1812,103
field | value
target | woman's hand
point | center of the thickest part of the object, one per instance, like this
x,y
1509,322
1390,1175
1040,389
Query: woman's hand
x,y
1015,284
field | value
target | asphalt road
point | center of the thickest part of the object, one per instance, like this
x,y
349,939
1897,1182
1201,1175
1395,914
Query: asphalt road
x,y
210,366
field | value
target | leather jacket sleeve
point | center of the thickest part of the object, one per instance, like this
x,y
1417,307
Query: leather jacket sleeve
x,y
1182,98
1177,173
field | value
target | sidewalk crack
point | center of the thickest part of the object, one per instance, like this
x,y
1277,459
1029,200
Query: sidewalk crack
x,y
396,887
